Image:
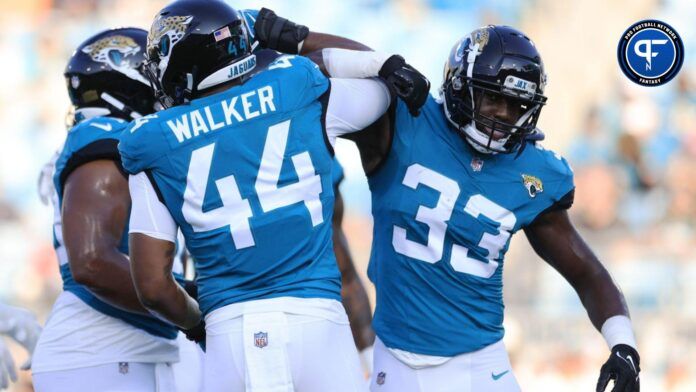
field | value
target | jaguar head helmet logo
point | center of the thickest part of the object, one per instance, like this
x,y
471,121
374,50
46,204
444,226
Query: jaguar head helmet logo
x,y
118,52
114,50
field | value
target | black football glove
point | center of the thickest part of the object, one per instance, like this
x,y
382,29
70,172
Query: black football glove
x,y
622,367
405,82
277,33
197,333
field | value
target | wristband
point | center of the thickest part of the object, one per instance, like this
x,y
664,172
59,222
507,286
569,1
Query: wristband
x,y
618,330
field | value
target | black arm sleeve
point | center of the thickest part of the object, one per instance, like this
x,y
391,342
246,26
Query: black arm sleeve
x,y
564,203
101,149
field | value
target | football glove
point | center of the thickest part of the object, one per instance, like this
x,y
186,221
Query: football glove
x,y
196,334
7,367
622,367
277,33
20,325
405,82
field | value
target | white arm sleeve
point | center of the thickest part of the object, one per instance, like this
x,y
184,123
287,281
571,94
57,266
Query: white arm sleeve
x,y
344,63
148,215
354,104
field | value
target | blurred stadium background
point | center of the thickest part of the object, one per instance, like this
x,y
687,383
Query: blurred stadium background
x,y
633,150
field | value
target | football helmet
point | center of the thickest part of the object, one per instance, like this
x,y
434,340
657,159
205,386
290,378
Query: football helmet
x,y
194,45
105,76
501,62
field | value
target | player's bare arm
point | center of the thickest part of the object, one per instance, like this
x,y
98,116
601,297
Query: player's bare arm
x,y
151,263
353,292
96,205
554,239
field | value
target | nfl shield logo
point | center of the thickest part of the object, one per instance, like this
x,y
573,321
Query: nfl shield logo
x,y
261,339
380,378
476,164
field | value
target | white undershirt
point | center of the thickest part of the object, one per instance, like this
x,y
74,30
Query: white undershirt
x,y
353,105
148,215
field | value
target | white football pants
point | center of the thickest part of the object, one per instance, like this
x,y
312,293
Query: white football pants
x,y
485,370
188,372
111,377
281,352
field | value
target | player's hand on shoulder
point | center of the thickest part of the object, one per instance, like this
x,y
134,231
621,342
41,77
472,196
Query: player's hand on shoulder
x,y
405,82
622,367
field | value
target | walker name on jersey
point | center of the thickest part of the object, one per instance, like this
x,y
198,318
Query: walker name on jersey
x,y
234,110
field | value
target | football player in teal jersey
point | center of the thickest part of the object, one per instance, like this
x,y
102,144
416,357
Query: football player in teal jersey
x,y
99,336
353,294
241,163
449,188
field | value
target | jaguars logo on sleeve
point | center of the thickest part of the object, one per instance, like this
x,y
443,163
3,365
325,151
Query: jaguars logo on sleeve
x,y
533,185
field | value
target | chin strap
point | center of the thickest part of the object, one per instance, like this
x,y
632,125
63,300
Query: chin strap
x,y
114,106
188,91
525,138
120,106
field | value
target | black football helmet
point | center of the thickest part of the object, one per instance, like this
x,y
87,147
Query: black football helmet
x,y
105,76
194,45
502,61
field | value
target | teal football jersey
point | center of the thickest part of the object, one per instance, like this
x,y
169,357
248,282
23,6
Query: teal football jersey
x,y
443,218
246,175
91,140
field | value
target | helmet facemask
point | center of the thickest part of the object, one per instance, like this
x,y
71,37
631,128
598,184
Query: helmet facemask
x,y
108,94
464,100
494,66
